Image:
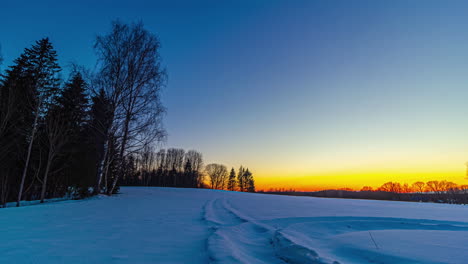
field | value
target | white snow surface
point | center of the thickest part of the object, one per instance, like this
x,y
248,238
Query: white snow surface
x,y
170,225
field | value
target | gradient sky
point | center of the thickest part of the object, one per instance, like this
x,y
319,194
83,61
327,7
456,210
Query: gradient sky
x,y
307,94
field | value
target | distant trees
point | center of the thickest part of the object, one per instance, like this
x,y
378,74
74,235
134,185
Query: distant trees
x,y
436,191
167,168
432,191
176,168
418,186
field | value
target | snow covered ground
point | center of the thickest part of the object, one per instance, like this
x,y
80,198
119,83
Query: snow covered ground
x,y
166,225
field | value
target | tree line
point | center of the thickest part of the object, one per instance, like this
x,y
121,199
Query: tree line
x,y
176,167
76,137
430,191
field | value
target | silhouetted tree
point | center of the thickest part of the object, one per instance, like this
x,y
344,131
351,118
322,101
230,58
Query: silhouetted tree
x,y
249,180
240,179
196,162
131,72
232,180
418,186
100,125
41,71
217,174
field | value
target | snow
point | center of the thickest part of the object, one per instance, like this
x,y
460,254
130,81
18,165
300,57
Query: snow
x,y
170,225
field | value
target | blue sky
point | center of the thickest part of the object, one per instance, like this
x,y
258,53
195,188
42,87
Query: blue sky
x,y
299,89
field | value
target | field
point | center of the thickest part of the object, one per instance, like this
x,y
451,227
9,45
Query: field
x,y
169,225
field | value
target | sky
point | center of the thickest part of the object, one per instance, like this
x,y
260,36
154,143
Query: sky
x,y
307,94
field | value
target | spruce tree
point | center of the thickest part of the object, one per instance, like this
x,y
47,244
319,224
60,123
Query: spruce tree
x,y
249,181
78,151
240,179
41,76
232,180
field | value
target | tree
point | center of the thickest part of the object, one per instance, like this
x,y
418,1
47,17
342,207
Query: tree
x,y
15,124
393,187
405,188
100,124
217,174
434,186
56,131
41,71
240,179
418,186
366,189
64,128
249,180
188,174
232,180
146,164
196,161
131,73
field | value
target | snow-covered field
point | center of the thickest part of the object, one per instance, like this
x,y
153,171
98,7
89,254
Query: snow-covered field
x,y
165,225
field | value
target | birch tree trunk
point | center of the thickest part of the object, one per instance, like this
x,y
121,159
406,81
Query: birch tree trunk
x,y
28,155
44,181
101,167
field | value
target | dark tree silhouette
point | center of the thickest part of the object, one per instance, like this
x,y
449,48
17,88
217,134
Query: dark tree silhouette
x,y
217,174
132,76
232,180
41,72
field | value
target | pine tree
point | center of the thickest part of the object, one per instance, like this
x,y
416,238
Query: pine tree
x,y
232,180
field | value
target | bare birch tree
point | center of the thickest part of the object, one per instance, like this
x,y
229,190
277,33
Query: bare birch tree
x,y
132,76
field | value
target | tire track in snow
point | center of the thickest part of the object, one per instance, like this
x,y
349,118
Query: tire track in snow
x,y
236,238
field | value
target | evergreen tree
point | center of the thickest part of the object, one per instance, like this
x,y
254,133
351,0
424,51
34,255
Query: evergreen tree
x,y
249,181
15,125
240,179
41,75
74,105
232,180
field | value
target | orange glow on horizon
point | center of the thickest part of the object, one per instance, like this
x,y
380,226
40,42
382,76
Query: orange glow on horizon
x,y
354,181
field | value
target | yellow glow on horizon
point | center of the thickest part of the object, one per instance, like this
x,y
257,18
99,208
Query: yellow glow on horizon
x,y
358,178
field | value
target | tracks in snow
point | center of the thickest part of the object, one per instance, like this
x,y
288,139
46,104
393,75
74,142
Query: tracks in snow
x,y
235,238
